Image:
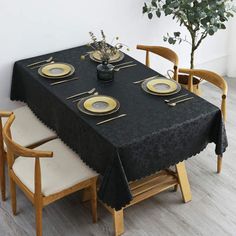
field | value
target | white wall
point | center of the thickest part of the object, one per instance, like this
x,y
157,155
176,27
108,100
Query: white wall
x,y
29,28
231,62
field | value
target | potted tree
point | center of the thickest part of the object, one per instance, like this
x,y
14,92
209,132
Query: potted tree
x,y
200,17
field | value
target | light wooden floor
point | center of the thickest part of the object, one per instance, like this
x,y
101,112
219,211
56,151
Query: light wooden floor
x,y
211,212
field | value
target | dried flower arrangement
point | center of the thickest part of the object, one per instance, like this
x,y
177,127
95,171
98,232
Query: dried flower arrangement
x,y
105,50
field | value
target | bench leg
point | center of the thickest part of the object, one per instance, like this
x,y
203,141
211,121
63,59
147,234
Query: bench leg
x,y
118,217
183,182
176,188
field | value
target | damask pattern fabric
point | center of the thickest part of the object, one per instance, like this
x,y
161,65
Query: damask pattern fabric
x,y
150,138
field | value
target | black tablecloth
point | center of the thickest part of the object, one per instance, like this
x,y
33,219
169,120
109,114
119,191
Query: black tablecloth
x,y
150,138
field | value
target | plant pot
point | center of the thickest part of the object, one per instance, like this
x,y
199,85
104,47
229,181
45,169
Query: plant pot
x,y
105,72
183,80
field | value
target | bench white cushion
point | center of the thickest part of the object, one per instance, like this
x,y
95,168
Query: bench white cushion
x,y
60,172
27,129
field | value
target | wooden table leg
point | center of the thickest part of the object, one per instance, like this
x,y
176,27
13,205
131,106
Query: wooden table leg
x,y
118,217
219,164
183,182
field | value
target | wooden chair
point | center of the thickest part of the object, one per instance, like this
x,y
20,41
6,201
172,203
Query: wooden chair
x,y
216,80
164,52
27,131
47,180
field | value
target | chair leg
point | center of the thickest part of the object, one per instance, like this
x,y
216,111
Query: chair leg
x,y
118,217
2,176
183,182
219,164
38,216
13,196
93,199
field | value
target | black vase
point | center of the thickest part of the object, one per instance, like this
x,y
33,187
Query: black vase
x,y
105,72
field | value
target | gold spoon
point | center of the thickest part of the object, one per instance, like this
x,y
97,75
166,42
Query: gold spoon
x,y
123,67
169,100
173,104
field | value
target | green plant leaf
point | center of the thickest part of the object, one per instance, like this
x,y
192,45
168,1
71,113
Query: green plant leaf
x,y
177,34
158,13
222,26
200,17
145,8
154,4
171,40
150,15
211,32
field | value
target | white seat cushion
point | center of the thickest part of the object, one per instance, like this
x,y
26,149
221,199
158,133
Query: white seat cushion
x,y
27,130
60,172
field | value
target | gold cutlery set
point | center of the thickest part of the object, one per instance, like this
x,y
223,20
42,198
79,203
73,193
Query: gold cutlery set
x,y
161,86
170,100
101,105
96,105
174,101
167,87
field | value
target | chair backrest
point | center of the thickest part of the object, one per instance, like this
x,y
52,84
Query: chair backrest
x,y
164,52
2,114
14,149
211,77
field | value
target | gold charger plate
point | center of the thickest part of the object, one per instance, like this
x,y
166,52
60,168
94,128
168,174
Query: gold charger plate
x,y
162,86
98,105
147,90
56,70
95,56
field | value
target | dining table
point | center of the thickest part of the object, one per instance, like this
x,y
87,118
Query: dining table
x,y
151,137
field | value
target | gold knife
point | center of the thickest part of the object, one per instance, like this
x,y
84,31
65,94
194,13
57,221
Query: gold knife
x,y
111,119
64,81
123,64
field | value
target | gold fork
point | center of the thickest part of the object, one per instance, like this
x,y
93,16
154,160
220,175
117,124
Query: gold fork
x,y
40,62
38,66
